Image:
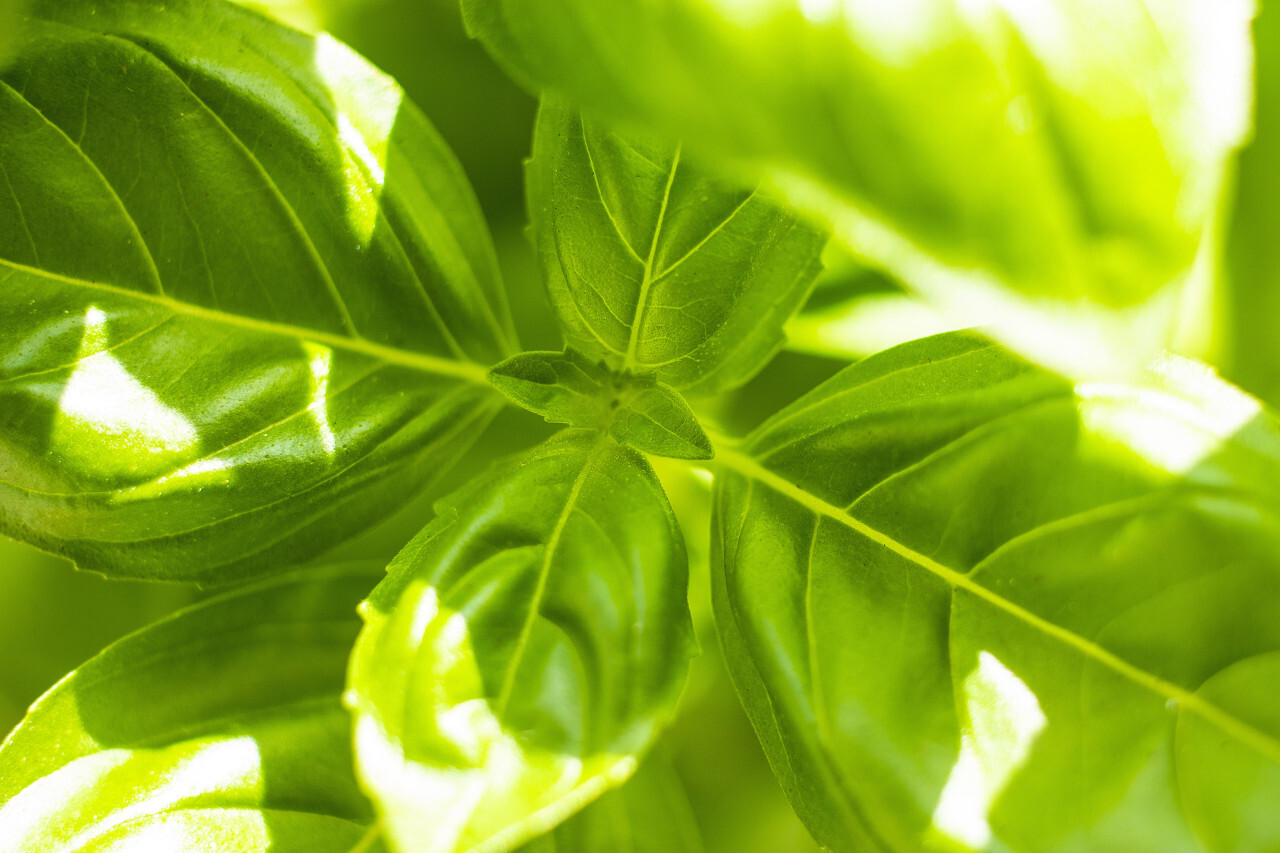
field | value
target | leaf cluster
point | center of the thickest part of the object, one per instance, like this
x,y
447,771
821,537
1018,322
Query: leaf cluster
x,y
997,590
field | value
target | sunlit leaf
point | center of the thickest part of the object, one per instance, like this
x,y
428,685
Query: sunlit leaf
x,y
524,651
1249,347
218,729
246,296
970,606
638,411
649,814
654,266
1055,165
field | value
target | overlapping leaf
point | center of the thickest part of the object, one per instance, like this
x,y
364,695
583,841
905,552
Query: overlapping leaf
x,y
649,814
220,728
638,411
245,291
655,266
969,606
524,651
1054,165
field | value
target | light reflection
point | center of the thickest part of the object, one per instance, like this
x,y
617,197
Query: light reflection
x,y
320,359
109,421
365,104
1004,720
1174,425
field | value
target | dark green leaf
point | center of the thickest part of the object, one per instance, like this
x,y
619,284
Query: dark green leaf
x,y
969,606
649,814
638,411
524,651
1002,157
246,295
652,265
218,729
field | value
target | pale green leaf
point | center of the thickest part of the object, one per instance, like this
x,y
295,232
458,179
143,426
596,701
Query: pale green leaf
x,y
246,295
1054,164
649,814
218,729
970,606
638,411
524,651
654,266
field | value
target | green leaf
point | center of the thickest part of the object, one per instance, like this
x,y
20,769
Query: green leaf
x,y
653,265
9,22
524,651
246,294
1249,349
970,606
638,411
649,814
1055,164
220,728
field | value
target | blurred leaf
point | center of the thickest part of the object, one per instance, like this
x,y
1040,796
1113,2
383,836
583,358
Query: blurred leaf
x,y
1252,337
637,411
856,311
649,814
52,617
654,266
524,651
970,607
217,729
247,295
1053,165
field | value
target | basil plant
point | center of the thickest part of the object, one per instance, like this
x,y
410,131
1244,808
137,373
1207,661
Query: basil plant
x,y
1005,588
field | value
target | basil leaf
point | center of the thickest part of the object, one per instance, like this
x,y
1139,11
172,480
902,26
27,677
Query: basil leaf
x,y
219,728
9,22
1056,164
245,292
638,411
649,814
524,651
971,606
652,265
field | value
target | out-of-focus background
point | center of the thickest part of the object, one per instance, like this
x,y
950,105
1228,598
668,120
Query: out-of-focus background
x,y
52,617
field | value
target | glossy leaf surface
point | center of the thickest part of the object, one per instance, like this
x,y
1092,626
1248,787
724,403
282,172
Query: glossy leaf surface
x,y
1057,164
969,606
218,729
245,291
653,265
649,814
524,650
638,411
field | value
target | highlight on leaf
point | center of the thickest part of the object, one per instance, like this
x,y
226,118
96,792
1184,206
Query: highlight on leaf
x,y
1016,611
524,651
248,295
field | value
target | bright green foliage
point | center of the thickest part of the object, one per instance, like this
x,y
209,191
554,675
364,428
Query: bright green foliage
x,y
638,411
647,815
524,650
243,286
654,266
995,155
248,305
218,729
969,605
